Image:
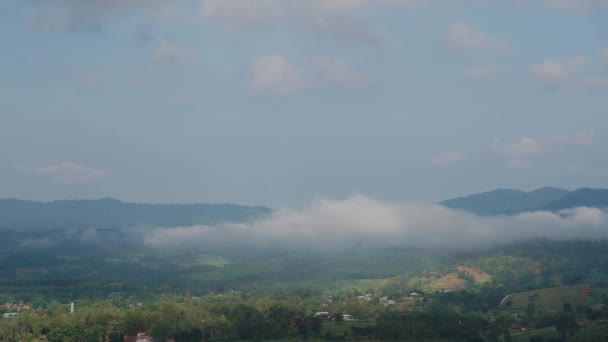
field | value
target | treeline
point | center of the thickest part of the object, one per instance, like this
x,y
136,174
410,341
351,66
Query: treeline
x,y
288,315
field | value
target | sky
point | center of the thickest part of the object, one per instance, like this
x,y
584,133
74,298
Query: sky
x,y
276,102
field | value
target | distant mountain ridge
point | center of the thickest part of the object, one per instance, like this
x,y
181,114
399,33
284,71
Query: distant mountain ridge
x,y
112,213
510,202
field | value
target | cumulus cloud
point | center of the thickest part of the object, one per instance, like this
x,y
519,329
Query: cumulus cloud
x,y
91,15
65,172
465,37
274,74
519,152
448,158
482,72
331,223
555,74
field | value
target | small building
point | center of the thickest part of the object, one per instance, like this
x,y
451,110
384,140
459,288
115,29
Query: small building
x,y
347,318
323,315
141,337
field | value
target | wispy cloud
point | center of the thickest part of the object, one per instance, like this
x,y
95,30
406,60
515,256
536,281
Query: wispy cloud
x,y
524,147
90,15
333,18
340,73
556,74
274,74
519,153
64,172
465,37
448,158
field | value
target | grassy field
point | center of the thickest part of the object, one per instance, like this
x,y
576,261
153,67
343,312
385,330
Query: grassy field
x,y
554,297
524,336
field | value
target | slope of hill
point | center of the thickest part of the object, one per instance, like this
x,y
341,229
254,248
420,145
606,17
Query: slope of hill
x,y
506,201
109,212
584,197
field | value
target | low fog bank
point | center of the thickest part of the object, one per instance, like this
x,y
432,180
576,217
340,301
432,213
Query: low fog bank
x,y
362,220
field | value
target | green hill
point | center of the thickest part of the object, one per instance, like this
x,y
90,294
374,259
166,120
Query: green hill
x,y
112,213
553,298
584,197
506,201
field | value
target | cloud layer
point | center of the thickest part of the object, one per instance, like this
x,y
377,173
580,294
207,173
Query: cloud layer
x,y
334,223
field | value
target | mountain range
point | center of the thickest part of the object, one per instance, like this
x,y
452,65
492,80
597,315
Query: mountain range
x,y
112,213
510,202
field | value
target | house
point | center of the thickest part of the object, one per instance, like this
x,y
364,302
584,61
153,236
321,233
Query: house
x,y
517,327
366,297
415,295
388,302
297,321
141,337
323,315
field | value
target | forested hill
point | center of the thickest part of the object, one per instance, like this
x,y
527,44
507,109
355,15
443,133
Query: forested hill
x,y
113,213
509,201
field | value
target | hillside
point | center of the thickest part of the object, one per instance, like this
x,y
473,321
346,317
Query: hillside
x,y
111,213
506,201
585,197
510,202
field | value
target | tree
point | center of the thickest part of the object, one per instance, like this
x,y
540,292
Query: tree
x,y
530,309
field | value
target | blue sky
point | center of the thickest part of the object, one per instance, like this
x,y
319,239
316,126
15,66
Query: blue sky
x,y
277,101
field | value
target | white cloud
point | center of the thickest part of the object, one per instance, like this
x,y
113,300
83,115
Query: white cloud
x,y
331,223
64,172
276,75
518,153
555,74
445,159
524,147
550,72
482,72
340,74
465,37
